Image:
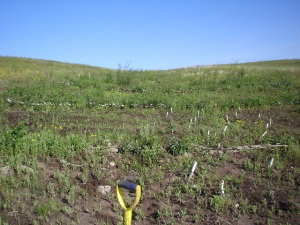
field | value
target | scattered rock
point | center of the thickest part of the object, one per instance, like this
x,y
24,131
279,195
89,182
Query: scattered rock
x,y
41,166
187,154
112,163
6,171
104,189
114,149
10,101
27,169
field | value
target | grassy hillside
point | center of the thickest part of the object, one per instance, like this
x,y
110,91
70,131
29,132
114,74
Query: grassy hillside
x,y
60,122
227,86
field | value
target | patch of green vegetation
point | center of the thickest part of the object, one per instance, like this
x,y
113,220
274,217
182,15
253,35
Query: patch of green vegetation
x,y
60,123
46,208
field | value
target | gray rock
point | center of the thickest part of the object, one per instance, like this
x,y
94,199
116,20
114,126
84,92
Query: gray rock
x,y
104,189
6,171
114,149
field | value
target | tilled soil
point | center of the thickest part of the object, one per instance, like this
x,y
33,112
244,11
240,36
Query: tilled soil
x,y
257,196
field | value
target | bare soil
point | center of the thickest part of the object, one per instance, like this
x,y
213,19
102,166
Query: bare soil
x,y
276,193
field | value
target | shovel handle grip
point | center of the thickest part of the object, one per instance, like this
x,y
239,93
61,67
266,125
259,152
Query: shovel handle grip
x,y
127,185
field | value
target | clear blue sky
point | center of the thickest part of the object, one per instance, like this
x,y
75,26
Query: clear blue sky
x,y
151,34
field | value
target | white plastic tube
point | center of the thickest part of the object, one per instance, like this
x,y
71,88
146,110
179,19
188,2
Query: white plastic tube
x,y
271,163
222,188
225,128
194,167
193,170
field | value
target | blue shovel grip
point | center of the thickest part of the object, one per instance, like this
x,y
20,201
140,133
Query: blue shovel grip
x,y
127,185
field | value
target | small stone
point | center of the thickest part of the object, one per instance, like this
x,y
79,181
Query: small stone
x,y
114,149
6,171
104,189
27,169
187,154
112,163
41,166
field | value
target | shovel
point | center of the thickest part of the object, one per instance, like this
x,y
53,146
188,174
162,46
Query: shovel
x,y
127,212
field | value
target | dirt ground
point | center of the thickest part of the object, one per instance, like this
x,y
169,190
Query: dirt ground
x,y
275,199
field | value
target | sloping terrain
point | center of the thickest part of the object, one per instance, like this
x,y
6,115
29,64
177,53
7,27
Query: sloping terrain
x,y
71,130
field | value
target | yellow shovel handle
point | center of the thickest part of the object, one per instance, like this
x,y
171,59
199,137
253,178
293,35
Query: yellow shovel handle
x,y
128,211
127,217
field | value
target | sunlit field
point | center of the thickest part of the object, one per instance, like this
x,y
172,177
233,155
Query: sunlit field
x,y
69,129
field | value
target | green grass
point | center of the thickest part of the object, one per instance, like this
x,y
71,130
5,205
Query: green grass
x,y
54,112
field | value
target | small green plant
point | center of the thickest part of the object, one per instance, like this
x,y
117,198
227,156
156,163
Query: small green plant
x,y
83,176
219,203
177,146
146,147
51,188
182,213
165,212
293,154
253,208
97,173
138,214
248,165
124,76
2,221
12,137
71,195
45,209
64,182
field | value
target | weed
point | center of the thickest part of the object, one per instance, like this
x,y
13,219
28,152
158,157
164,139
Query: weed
x,y
71,195
182,213
45,209
97,173
219,203
138,214
12,137
293,154
177,146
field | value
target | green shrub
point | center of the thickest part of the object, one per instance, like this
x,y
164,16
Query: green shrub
x,y
146,146
11,138
293,154
219,203
177,146
45,209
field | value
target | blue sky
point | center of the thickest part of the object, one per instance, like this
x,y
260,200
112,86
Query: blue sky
x,y
156,34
